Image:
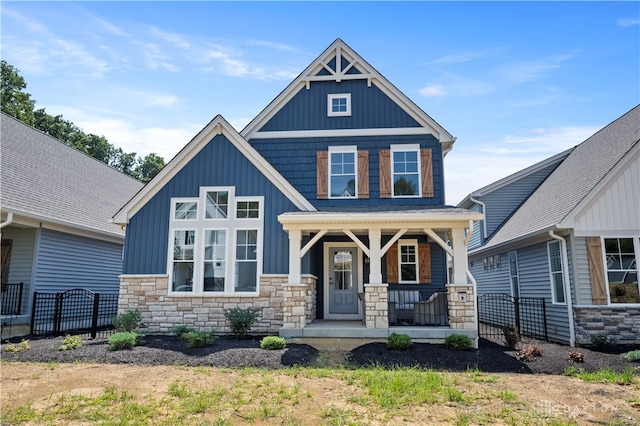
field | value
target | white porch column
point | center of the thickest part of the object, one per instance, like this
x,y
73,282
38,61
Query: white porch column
x,y
459,256
375,257
295,263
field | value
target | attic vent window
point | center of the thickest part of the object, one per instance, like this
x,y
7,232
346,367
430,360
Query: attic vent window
x,y
339,105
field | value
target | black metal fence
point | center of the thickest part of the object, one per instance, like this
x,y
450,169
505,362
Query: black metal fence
x,y
499,310
74,311
418,307
11,299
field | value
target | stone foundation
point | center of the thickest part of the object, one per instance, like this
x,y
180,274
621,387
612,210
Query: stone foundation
x,y
299,302
623,324
160,312
462,313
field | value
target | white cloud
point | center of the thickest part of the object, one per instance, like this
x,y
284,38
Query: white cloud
x,y
525,71
628,22
458,86
432,90
463,57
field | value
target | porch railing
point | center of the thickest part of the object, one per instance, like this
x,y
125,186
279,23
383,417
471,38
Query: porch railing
x,y
418,307
11,299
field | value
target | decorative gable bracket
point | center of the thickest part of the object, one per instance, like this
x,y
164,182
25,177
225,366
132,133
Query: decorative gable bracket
x,y
332,63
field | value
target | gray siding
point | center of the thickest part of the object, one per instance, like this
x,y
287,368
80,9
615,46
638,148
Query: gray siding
x,y
477,237
502,202
582,279
535,281
491,281
23,243
67,261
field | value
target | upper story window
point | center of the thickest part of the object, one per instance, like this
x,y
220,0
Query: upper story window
x,y
556,272
339,104
342,172
405,164
217,251
622,269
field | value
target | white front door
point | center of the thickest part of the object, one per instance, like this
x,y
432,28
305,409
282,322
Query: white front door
x,y
343,281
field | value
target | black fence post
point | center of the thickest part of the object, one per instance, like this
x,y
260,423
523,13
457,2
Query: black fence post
x,y
33,312
516,308
21,287
94,320
57,314
544,320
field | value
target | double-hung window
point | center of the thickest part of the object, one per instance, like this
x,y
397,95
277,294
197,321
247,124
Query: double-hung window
x,y
556,272
513,274
339,104
405,170
408,261
343,171
215,245
621,256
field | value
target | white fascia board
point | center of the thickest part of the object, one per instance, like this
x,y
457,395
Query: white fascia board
x,y
386,131
215,127
600,187
369,73
29,219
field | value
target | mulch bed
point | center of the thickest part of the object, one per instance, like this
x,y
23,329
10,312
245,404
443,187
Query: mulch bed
x,y
227,352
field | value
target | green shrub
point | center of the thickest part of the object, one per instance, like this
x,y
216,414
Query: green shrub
x,y
459,342
399,341
241,320
199,339
129,321
602,340
20,347
511,336
124,340
70,342
272,342
632,356
181,330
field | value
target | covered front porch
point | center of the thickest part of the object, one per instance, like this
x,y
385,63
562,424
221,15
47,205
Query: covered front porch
x,y
383,308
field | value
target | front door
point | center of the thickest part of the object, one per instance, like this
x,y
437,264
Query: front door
x,y
342,283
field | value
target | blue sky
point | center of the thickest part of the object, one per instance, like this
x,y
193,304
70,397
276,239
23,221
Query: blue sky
x,y
515,82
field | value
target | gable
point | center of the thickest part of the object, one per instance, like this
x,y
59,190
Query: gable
x,y
218,163
370,108
339,64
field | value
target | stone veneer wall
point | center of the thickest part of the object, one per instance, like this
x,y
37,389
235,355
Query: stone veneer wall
x,y
376,306
462,314
160,312
623,324
299,302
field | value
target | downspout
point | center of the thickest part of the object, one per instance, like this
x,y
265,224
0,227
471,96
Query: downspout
x,y
484,221
567,288
6,222
473,282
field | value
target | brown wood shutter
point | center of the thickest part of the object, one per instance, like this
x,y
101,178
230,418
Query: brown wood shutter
x,y
426,163
322,185
6,258
363,174
424,262
385,173
596,271
392,264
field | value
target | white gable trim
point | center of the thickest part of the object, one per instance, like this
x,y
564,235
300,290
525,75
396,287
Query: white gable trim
x,y
588,201
339,49
217,126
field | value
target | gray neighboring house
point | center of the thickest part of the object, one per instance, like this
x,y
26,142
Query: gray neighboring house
x,y
56,204
567,229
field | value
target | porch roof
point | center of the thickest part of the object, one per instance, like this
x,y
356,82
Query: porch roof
x,y
380,218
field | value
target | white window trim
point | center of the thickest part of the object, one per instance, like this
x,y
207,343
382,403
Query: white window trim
x,y
350,149
517,275
175,201
636,248
413,243
331,97
551,275
231,225
406,148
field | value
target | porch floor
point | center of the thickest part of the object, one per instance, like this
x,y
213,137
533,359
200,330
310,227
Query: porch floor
x,y
334,329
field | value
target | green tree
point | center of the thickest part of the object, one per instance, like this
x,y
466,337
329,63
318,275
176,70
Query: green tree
x,y
125,162
15,101
149,167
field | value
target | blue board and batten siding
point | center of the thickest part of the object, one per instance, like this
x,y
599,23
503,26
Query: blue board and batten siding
x,y
66,261
219,163
370,108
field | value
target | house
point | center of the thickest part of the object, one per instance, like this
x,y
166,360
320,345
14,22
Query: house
x,y
326,213
567,230
56,205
